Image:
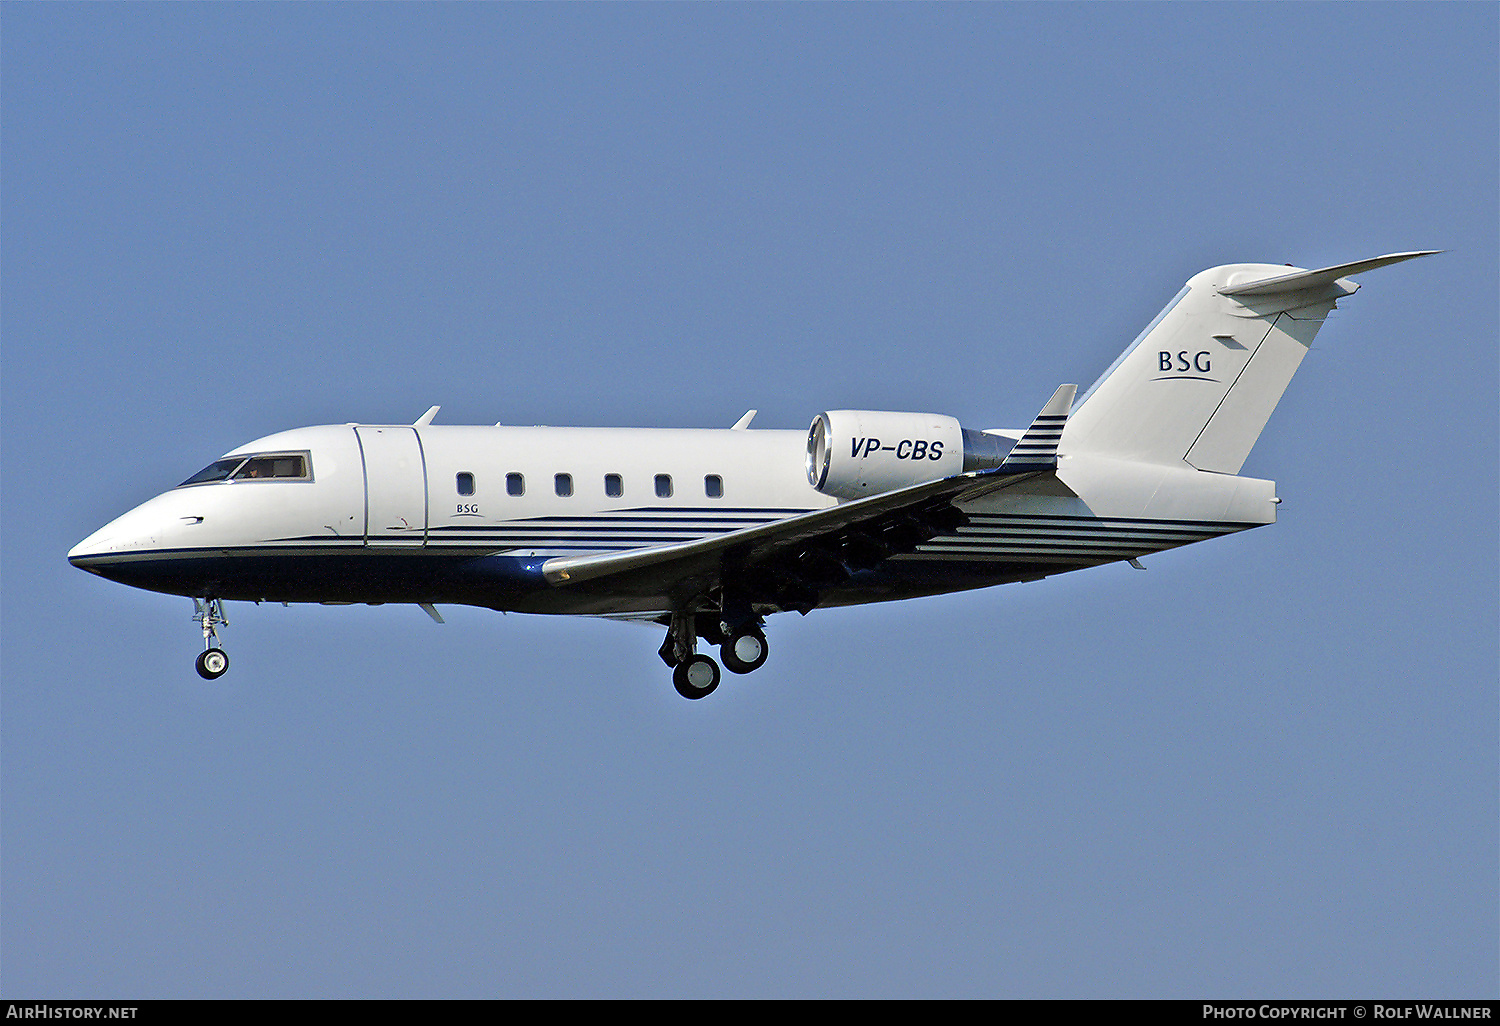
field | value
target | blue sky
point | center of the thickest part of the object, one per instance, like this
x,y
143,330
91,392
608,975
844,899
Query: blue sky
x,y
1265,767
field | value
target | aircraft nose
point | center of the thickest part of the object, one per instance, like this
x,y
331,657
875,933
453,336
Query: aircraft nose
x,y
153,545
132,548
140,529
86,553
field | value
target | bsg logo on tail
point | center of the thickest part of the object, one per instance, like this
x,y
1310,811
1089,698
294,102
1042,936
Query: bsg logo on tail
x,y
1183,362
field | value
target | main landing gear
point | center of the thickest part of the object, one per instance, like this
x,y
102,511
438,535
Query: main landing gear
x,y
696,676
744,652
214,661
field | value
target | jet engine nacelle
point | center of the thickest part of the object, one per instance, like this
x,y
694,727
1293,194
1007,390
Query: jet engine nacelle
x,y
855,453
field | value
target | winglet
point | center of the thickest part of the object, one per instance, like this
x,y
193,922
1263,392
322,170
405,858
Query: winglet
x,y
426,418
1300,280
1037,449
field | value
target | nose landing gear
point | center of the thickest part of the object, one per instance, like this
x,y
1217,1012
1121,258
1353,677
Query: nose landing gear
x,y
213,662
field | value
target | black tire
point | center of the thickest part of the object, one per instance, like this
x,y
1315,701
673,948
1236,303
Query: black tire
x,y
213,663
745,653
696,677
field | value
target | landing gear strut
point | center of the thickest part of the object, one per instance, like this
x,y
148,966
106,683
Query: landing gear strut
x,y
693,675
213,661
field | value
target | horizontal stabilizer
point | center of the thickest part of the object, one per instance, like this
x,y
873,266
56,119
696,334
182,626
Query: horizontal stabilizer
x,y
1302,280
1037,449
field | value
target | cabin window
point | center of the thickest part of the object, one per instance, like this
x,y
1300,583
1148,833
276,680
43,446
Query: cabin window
x,y
465,483
713,486
563,483
663,486
515,484
614,486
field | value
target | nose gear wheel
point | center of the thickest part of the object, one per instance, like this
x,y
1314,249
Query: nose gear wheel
x,y
213,661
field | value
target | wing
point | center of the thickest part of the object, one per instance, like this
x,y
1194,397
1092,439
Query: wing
x,y
788,562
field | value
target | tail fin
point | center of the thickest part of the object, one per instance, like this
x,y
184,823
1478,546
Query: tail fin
x,y
1199,384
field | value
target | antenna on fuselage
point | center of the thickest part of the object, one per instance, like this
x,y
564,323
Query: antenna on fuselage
x,y
426,418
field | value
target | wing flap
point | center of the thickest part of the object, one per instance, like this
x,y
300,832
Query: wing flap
x,y
752,543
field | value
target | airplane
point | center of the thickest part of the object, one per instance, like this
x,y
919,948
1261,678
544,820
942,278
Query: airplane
x,y
707,532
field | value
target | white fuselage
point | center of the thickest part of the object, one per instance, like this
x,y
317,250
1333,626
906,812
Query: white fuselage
x,y
468,514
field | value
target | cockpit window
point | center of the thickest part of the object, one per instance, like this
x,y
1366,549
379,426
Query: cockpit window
x,y
216,471
280,465
288,466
